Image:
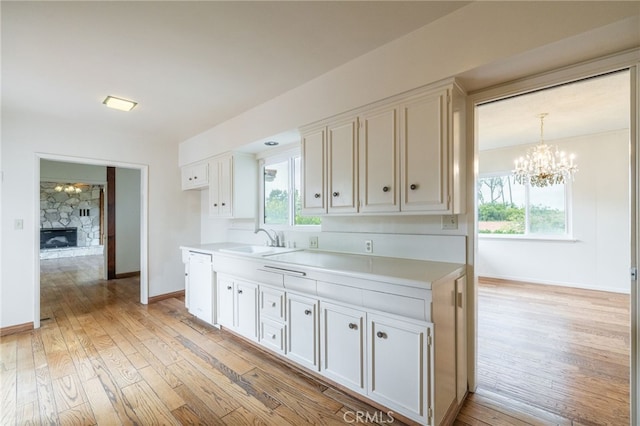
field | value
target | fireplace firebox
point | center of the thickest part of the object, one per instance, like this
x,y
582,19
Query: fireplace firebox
x,y
51,238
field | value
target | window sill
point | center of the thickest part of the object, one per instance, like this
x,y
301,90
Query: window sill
x,y
545,238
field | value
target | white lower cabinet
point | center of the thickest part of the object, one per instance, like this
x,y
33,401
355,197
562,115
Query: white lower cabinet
x,y
400,359
237,306
413,365
342,345
303,338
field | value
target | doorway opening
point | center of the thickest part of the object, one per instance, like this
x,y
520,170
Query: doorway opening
x,y
91,220
553,261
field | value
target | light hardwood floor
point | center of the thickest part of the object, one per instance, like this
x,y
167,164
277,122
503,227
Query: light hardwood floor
x,y
101,358
550,355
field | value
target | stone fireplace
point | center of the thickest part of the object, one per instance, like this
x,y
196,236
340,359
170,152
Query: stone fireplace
x,y
70,223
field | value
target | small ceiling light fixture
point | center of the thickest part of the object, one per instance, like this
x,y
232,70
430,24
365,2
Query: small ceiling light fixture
x,y
271,143
119,103
544,165
68,188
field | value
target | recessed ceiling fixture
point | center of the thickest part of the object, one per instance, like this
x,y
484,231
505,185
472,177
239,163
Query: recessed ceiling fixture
x,y
119,103
271,143
544,165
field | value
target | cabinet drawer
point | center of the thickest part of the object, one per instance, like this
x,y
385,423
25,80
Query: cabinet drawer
x,y
272,304
272,335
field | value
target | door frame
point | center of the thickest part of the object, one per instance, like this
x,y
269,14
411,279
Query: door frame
x,y
626,60
144,220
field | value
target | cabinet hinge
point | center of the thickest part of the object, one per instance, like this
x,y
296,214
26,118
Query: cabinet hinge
x,y
634,274
430,414
429,340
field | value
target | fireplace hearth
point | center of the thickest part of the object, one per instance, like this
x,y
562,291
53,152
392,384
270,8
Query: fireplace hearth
x,y
52,238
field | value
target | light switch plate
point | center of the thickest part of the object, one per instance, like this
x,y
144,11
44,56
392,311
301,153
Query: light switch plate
x,y
313,242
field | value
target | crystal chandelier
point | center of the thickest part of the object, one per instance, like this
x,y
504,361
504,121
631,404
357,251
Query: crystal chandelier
x,y
544,165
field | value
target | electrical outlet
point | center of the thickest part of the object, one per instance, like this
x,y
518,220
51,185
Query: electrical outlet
x,y
450,222
313,242
368,246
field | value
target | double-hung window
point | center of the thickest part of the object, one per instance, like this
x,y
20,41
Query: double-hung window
x,y
281,191
507,208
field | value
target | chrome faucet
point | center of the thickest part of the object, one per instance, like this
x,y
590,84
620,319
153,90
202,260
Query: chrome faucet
x,y
273,241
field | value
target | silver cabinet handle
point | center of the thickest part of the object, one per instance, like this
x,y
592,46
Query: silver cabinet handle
x,y
385,189
228,287
316,195
381,335
239,291
336,194
413,186
307,311
284,271
353,326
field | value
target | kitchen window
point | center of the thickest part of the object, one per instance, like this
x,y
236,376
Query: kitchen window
x,y
281,192
509,209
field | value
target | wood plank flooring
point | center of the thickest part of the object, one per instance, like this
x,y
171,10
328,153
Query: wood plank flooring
x,y
101,358
550,355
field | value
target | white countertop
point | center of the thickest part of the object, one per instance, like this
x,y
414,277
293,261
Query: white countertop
x,y
402,271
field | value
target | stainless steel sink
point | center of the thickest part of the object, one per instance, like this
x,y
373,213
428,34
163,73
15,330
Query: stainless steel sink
x,y
257,250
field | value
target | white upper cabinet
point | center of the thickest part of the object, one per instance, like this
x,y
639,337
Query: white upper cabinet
x,y
342,164
313,171
195,176
404,154
379,151
233,187
424,153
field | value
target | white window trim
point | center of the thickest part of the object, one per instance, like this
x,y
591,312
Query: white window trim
x,y
271,157
568,208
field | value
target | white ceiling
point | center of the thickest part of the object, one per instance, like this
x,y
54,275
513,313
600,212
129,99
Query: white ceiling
x,y
190,65
589,106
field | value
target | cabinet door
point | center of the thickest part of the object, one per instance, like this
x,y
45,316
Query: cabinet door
x,y
379,150
342,345
343,166
302,345
313,172
225,296
225,184
247,309
195,176
214,187
399,367
424,152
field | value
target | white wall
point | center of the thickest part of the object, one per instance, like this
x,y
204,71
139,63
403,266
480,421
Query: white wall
x,y
598,257
173,214
127,220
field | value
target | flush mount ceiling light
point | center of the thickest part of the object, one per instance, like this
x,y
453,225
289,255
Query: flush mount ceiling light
x,y
271,143
119,103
